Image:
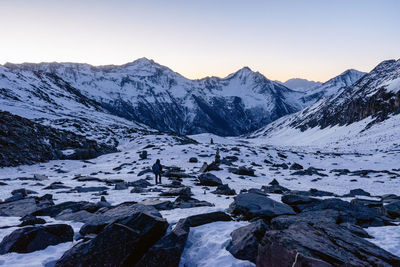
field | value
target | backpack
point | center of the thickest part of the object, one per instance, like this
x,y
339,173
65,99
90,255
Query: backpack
x,y
156,168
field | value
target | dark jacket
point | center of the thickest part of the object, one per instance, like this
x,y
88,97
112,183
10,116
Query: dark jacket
x,y
157,168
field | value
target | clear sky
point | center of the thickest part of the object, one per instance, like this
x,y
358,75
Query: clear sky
x,y
313,39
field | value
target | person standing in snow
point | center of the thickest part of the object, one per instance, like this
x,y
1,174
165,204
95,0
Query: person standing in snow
x,y
157,170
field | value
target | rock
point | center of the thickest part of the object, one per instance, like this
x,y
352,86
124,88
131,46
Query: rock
x,y
274,182
40,177
193,160
98,220
148,170
177,174
15,197
31,220
120,186
242,170
275,189
69,207
103,203
24,192
213,166
320,245
298,200
185,202
158,204
224,190
143,154
121,243
180,191
310,171
357,192
319,193
23,207
245,240
168,250
296,166
33,238
142,183
356,214
367,202
389,198
252,205
87,179
393,209
282,165
209,179
319,217
81,189
56,185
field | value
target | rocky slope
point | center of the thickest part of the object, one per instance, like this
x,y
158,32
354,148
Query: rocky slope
x,y
146,92
25,142
375,98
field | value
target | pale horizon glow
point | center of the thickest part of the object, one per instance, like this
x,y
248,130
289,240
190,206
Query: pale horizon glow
x,y
315,40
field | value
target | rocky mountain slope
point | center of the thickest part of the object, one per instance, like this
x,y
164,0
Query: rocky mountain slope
x,y
25,142
146,92
355,110
332,86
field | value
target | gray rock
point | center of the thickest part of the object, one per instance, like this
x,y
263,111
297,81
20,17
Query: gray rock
x,y
245,240
251,205
33,238
209,179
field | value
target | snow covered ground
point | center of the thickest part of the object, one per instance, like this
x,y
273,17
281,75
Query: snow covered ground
x,y
207,240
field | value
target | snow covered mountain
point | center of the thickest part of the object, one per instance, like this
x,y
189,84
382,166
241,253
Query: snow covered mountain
x,y
365,113
332,86
301,85
146,92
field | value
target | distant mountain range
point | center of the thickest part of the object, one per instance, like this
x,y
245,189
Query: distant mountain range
x,y
371,104
147,93
299,84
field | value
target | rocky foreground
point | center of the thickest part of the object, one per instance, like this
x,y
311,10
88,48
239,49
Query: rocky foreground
x,y
293,219
301,231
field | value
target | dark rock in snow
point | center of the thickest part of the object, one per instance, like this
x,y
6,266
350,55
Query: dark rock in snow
x,y
393,209
143,154
69,207
120,186
357,192
296,166
185,202
251,205
245,240
23,207
311,171
209,179
121,243
168,250
24,192
242,170
193,160
31,220
320,245
95,222
180,191
224,190
140,183
33,238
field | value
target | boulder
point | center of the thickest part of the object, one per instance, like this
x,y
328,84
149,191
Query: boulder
x,y
251,205
31,220
142,183
296,166
193,160
245,240
55,186
310,171
23,207
24,192
393,209
121,186
209,179
320,245
242,170
168,250
180,191
143,154
65,207
357,192
224,190
121,243
33,238
158,204
98,220
185,202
